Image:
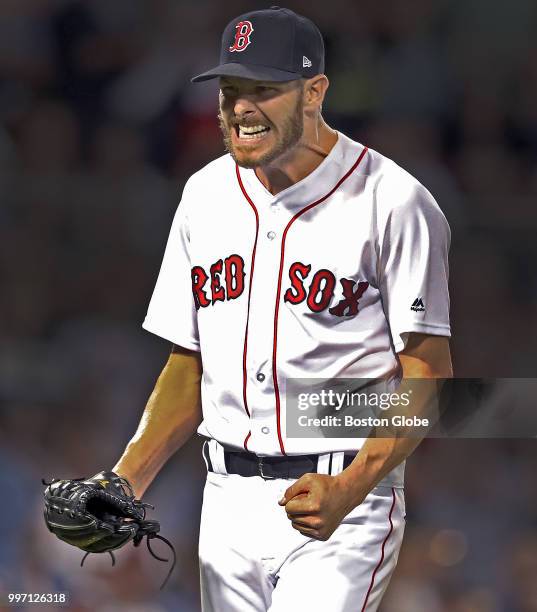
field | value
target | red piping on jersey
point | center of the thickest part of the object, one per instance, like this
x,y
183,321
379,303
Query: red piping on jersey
x,y
245,348
245,443
278,293
381,554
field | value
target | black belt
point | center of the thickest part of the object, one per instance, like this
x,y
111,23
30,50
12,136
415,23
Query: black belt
x,y
269,468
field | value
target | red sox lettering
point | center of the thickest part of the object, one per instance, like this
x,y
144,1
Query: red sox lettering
x,y
349,305
318,293
232,268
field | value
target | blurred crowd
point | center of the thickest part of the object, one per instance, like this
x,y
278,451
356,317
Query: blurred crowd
x,y
100,128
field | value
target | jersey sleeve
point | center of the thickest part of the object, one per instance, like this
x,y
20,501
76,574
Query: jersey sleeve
x,y
172,312
414,240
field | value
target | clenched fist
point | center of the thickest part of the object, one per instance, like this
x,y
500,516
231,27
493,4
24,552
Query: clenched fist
x,y
316,504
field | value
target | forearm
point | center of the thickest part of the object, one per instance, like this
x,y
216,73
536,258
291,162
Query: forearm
x,y
389,446
171,416
375,460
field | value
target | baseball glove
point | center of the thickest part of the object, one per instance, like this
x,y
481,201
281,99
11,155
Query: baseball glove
x,y
99,514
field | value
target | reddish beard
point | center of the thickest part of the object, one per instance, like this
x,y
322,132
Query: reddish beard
x,y
287,136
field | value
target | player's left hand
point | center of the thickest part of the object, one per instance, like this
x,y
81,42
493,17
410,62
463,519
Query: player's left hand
x,y
317,503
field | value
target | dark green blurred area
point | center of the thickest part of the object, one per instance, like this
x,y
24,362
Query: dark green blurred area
x,y
99,129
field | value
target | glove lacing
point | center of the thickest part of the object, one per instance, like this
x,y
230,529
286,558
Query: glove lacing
x,y
147,529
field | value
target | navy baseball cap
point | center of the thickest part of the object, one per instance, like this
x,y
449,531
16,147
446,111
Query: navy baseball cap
x,y
274,44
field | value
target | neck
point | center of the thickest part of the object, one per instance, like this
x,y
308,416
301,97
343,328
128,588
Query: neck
x,y
315,144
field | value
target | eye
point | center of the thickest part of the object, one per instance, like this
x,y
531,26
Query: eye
x,y
228,91
265,89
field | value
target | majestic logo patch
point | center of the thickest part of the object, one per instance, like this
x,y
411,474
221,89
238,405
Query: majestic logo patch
x,y
418,305
243,32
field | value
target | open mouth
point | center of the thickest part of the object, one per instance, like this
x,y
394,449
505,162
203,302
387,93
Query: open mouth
x,y
251,132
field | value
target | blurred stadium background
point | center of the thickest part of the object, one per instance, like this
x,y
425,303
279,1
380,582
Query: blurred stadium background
x,y
99,129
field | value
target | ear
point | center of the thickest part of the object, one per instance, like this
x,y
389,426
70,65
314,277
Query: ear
x,y
315,91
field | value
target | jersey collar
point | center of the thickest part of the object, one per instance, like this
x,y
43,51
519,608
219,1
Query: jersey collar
x,y
312,187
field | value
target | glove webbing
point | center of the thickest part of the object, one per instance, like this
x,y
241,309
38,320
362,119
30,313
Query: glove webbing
x,y
147,529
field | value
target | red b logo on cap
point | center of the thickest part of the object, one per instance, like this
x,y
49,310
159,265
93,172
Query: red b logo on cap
x,y
242,36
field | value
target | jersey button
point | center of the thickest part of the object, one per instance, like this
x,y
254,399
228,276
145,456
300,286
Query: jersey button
x,y
260,377
265,430
271,235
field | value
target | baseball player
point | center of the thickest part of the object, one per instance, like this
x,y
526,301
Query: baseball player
x,y
299,254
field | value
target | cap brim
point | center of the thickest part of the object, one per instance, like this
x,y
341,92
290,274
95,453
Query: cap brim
x,y
247,71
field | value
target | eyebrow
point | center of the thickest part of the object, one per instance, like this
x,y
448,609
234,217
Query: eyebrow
x,y
224,82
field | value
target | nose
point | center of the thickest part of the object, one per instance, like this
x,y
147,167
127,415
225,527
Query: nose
x,y
243,107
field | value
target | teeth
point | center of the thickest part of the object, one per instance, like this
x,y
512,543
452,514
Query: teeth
x,y
252,131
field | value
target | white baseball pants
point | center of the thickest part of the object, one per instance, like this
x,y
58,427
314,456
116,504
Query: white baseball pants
x,y
252,560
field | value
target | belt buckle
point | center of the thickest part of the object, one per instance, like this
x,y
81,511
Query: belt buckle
x,y
261,473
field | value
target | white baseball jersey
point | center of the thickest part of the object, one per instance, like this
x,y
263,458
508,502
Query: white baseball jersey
x,y
324,280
